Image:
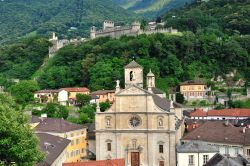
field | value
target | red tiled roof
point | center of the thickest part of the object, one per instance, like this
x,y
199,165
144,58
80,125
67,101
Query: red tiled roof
x,y
115,162
198,113
235,112
219,132
76,89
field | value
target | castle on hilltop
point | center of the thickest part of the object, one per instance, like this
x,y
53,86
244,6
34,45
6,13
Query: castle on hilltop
x,y
109,29
57,44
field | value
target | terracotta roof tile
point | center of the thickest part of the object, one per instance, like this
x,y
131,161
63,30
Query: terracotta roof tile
x,y
236,112
198,113
193,82
118,162
133,64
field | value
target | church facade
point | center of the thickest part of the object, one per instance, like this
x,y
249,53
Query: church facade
x,y
141,126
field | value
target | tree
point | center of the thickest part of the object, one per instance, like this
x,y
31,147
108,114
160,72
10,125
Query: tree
x,y
82,99
104,106
18,144
54,110
180,98
23,91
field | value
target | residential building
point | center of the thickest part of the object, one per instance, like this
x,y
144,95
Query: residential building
x,y
75,133
46,95
229,139
105,95
140,126
94,99
194,153
67,96
55,149
114,162
222,160
224,114
194,90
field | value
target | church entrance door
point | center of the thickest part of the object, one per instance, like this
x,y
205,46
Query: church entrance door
x,y
135,159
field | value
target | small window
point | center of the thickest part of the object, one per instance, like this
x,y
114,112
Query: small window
x,y
205,159
109,146
190,159
83,150
72,154
160,122
248,152
72,143
72,134
161,149
82,132
236,151
226,150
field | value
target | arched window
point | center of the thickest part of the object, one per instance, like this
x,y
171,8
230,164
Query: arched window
x,y
131,75
160,121
134,143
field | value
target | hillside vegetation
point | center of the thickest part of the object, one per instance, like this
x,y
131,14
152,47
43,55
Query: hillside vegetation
x,y
151,8
203,52
31,17
228,16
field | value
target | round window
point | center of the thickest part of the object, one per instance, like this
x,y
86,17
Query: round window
x,y
135,121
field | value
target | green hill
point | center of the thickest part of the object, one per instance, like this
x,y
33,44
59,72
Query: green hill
x,y
229,16
29,17
151,8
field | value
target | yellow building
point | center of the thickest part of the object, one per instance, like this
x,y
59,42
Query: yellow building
x,y
59,127
105,95
67,96
194,90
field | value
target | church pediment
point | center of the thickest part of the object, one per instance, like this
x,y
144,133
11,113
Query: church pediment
x,y
133,90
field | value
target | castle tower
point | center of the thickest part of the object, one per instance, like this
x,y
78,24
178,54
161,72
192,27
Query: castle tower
x,y
150,81
54,47
133,74
136,26
108,24
93,32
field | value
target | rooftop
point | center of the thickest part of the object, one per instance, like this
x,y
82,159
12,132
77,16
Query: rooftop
x,y
102,92
193,82
75,89
57,125
133,64
196,147
221,160
48,91
219,132
53,146
236,112
198,113
118,162
157,91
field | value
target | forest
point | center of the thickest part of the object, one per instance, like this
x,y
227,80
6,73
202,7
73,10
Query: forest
x,y
200,52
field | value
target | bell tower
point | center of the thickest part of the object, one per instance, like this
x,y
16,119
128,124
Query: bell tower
x,y
150,81
133,74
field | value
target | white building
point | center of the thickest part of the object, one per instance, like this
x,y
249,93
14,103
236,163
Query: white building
x,y
194,153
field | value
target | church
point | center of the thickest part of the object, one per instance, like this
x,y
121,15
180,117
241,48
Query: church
x,y
141,126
